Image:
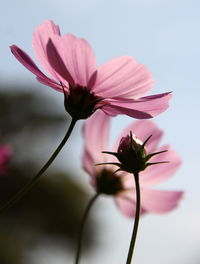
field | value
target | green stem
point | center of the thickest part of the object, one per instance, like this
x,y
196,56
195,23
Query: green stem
x,y
80,235
34,180
137,217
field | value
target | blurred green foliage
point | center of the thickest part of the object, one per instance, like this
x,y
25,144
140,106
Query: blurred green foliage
x,y
54,207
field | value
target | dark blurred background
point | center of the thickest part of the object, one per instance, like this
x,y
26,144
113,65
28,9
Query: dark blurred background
x,y
50,214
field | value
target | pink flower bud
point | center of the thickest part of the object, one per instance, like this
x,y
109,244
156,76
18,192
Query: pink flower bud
x,y
125,143
131,153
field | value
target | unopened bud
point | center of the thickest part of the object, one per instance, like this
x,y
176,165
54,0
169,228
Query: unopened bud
x,y
132,155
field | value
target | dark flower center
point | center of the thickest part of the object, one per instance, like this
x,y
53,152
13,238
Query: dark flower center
x,y
81,103
108,182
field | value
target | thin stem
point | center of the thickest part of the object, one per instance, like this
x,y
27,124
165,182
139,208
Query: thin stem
x,y
34,180
80,235
137,217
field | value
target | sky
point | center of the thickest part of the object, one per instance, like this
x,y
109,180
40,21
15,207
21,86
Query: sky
x,y
163,35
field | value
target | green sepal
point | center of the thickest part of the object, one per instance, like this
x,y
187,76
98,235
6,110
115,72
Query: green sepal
x,y
154,163
144,143
148,157
109,163
111,153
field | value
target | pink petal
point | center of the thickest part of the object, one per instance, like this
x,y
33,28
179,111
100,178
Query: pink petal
x,y
143,129
113,110
155,201
77,56
152,201
88,162
5,155
126,202
143,108
122,77
27,62
95,134
160,172
41,36
52,84
58,64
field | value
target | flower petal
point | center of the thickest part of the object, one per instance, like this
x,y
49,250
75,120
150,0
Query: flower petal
x,y
27,62
5,154
155,201
95,133
52,84
125,201
58,64
160,172
126,206
88,162
152,201
77,56
41,36
143,129
143,108
122,77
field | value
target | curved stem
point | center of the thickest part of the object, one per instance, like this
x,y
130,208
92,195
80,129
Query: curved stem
x,y
34,180
80,235
137,217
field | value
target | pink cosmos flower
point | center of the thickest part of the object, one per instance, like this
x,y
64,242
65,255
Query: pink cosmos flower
x,y
121,184
5,154
116,87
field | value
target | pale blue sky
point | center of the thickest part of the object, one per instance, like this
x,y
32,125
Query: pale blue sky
x,y
164,35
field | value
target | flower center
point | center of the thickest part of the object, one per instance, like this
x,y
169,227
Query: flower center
x,y
108,182
81,103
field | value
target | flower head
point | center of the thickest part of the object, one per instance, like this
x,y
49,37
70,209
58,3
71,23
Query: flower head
x,y
116,87
5,153
120,184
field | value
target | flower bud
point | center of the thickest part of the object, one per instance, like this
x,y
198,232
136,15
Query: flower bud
x,y
132,155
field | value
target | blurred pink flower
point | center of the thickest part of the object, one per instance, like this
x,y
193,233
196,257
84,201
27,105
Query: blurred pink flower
x,y
121,184
5,154
117,87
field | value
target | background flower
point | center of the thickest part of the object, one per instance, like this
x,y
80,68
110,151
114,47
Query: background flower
x,y
5,154
96,132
